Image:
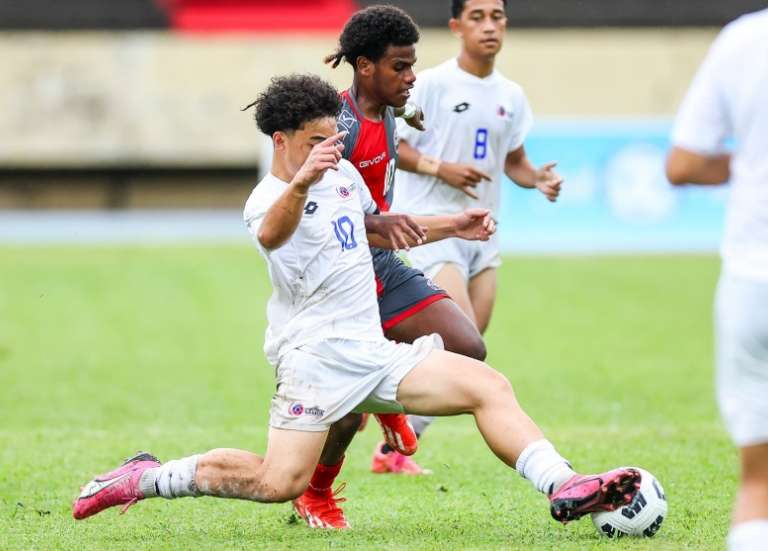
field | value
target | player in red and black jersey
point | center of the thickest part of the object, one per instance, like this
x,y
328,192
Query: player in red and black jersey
x,y
379,43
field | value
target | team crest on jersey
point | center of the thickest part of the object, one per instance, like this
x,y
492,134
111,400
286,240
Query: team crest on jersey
x,y
345,121
504,113
345,192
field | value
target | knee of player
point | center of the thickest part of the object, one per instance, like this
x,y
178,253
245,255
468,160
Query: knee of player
x,y
495,384
470,345
279,491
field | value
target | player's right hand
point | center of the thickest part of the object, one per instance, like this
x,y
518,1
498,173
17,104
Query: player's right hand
x,y
461,176
398,229
323,156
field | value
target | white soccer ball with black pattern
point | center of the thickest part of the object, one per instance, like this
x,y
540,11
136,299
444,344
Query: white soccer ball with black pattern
x,y
642,517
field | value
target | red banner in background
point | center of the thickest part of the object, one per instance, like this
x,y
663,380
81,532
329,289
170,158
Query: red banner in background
x,y
258,15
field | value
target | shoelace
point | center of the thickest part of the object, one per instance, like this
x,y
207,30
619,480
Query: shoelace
x,y
331,511
127,505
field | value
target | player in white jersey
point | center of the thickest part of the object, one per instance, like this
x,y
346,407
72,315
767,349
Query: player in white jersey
x,y
729,99
477,121
327,346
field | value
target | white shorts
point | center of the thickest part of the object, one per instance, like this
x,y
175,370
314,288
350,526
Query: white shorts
x,y
741,322
320,383
471,257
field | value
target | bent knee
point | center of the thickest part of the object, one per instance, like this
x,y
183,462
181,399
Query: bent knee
x,y
280,491
494,385
487,386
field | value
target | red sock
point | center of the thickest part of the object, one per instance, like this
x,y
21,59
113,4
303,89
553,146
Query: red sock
x,y
324,475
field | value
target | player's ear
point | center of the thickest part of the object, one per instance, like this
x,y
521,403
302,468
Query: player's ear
x,y
364,66
278,140
455,26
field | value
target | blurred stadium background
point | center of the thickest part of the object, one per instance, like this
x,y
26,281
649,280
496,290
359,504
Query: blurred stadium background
x,y
121,120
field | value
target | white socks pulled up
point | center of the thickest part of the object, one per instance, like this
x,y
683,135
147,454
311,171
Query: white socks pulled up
x,y
544,467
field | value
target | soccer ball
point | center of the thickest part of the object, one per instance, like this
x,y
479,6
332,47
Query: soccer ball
x,y
642,517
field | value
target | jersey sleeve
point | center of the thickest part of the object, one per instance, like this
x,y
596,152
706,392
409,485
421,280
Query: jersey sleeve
x,y
253,216
522,122
256,210
702,124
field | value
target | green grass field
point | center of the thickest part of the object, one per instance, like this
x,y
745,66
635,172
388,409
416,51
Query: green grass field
x,y
104,351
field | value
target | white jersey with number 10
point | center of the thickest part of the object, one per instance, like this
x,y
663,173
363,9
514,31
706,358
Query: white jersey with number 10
x,y
322,278
470,120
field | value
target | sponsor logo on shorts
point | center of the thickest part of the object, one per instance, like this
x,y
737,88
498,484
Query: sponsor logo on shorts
x,y
432,284
298,409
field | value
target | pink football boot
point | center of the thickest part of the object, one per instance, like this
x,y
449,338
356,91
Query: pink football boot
x,y
119,487
584,494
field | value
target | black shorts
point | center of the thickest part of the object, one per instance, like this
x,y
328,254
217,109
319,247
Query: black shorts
x,y
403,291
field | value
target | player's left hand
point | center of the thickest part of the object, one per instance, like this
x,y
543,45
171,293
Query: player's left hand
x,y
416,120
475,225
548,181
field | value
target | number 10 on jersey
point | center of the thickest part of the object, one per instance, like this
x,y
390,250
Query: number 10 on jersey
x,y
344,229
481,143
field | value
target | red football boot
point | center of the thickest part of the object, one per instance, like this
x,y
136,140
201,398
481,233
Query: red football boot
x,y
398,432
320,509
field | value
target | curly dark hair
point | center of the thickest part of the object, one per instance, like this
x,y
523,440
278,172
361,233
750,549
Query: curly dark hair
x,y
291,101
457,6
369,33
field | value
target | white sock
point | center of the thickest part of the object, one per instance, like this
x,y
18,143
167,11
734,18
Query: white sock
x,y
420,423
172,479
748,536
544,467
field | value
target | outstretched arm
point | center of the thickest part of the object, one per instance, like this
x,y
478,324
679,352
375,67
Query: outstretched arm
x,y
401,231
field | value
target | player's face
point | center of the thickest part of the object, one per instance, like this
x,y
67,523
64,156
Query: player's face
x,y
393,75
481,26
298,144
